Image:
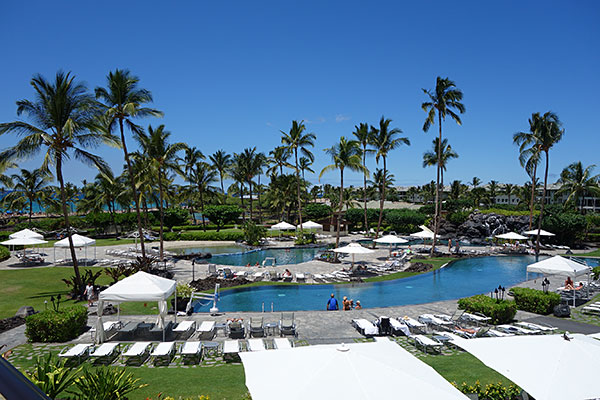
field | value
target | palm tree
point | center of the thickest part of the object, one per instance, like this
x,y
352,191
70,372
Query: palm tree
x,y
278,159
456,189
475,182
345,154
530,155
103,191
431,158
384,140
66,119
251,164
203,175
238,174
363,135
577,182
123,101
221,162
162,158
5,164
304,164
509,189
296,140
443,101
379,181
29,184
493,190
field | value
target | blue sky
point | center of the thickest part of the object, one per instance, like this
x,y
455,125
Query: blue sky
x,y
230,75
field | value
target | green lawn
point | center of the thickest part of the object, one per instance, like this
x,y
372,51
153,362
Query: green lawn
x,y
595,253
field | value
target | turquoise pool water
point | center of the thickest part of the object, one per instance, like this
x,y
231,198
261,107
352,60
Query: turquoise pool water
x,y
282,256
460,279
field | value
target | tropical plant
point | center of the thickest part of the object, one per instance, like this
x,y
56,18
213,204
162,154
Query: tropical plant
x,y
221,215
431,157
107,383
30,185
221,162
442,102
278,159
253,233
65,115
577,182
202,177
493,191
124,101
509,189
162,158
344,154
363,136
384,139
297,140
456,190
52,376
475,182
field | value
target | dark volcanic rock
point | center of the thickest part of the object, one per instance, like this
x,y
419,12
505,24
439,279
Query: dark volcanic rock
x,y
419,267
10,323
25,311
209,283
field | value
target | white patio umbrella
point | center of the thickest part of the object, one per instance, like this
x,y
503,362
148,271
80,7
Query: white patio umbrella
x,y
511,236
311,225
353,248
364,371
283,226
535,232
26,234
391,240
23,242
422,235
548,367
561,266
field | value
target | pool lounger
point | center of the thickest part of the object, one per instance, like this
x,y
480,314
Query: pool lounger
x,y
300,277
518,330
413,324
78,351
185,327
129,328
137,352
256,345
591,310
206,330
399,327
231,348
105,352
163,353
281,343
107,326
497,333
433,320
539,327
366,328
426,342
191,351
474,318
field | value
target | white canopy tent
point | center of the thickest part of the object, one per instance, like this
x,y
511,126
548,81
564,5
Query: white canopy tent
x,y
535,232
311,225
78,241
548,367
362,371
353,248
26,234
511,236
391,240
283,226
140,286
561,266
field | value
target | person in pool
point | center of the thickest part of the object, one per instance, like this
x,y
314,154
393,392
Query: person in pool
x,y
358,306
332,303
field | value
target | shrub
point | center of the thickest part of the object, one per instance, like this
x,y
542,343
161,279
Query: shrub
x,y
458,217
596,272
253,233
405,221
173,216
52,376
53,326
306,238
507,213
200,235
209,227
568,226
500,311
316,211
492,391
535,301
222,215
107,383
4,253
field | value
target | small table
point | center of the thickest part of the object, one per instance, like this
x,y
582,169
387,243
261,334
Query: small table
x,y
442,339
211,347
270,328
222,327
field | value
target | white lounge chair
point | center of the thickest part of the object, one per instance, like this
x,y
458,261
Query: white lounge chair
x,y
108,326
518,330
258,276
475,318
540,327
231,348
78,351
281,343
185,326
191,351
399,327
256,345
365,327
105,352
431,319
206,330
426,342
137,352
300,277
163,352
497,333
413,324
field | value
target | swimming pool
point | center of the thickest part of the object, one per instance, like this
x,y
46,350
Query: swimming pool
x,y
460,279
282,256
215,249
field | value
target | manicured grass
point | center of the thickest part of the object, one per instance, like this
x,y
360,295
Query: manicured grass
x,y
463,367
595,253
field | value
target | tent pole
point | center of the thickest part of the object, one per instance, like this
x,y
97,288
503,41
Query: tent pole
x,y
118,311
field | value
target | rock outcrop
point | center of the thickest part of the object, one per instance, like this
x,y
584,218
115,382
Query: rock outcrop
x,y
480,226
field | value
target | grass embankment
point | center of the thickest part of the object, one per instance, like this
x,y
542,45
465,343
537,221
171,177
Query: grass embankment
x,y
595,253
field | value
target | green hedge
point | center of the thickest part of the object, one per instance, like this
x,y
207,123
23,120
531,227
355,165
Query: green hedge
x,y
52,326
4,253
209,227
535,301
208,235
500,311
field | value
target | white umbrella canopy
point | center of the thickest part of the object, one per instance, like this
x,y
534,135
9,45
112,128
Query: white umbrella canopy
x,y
311,225
353,248
390,239
558,265
26,234
423,234
535,232
23,242
363,371
511,236
547,367
283,226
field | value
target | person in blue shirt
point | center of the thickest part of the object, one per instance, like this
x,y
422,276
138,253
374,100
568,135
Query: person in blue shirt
x,y
332,303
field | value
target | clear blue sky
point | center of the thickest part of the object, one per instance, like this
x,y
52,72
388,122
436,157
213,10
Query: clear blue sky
x,y
232,74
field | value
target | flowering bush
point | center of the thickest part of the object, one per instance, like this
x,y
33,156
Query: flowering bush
x,y
492,391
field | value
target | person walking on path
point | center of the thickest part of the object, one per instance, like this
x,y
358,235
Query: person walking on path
x,y
89,292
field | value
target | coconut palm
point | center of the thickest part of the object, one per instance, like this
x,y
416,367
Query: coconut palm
x,y
65,118
278,158
443,101
5,164
237,172
508,190
431,158
493,191
202,177
30,185
384,139
379,181
304,163
475,182
162,158
251,164
456,190
344,154
577,182
221,162
297,140
530,155
363,135
103,191
124,101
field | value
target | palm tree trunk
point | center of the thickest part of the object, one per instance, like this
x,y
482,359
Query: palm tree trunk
x,y
30,211
532,196
259,206
337,236
298,192
436,218
537,241
63,200
132,183
202,210
242,199
366,225
250,192
160,209
381,200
